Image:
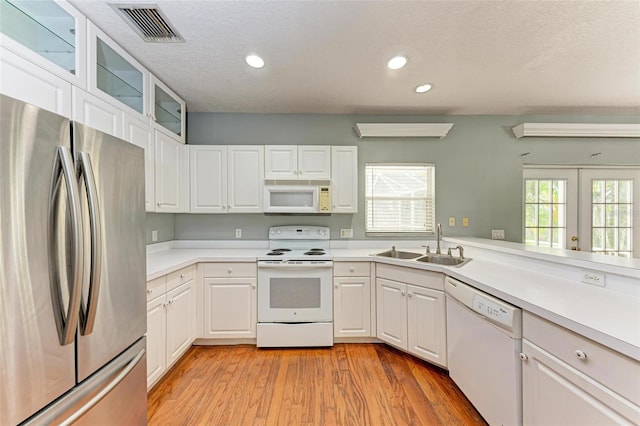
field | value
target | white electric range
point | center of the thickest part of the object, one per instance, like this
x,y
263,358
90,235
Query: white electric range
x,y
295,296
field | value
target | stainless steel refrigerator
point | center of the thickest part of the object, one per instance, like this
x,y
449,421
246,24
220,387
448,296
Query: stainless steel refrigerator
x,y
72,272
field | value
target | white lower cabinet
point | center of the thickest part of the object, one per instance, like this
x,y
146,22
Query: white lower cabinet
x,y
411,311
171,321
230,300
568,379
352,299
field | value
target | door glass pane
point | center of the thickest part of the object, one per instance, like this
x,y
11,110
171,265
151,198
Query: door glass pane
x,y
168,111
611,217
118,78
545,212
43,27
294,293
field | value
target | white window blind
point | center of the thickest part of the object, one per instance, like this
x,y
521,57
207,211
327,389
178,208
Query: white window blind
x,y
400,198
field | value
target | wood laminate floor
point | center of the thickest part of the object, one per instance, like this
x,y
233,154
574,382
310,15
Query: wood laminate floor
x,y
349,384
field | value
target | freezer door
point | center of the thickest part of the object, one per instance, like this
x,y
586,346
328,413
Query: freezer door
x,y
35,368
113,313
115,395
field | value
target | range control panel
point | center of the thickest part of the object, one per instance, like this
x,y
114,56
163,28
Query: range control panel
x,y
492,310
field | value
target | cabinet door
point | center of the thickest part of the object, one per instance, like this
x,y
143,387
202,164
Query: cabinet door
x,y
139,133
208,178
427,336
171,176
246,179
555,393
230,307
352,306
344,179
168,111
156,340
281,162
96,113
114,75
314,162
392,312
181,325
29,83
51,34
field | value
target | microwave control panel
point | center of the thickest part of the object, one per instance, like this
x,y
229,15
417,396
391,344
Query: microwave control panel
x,y
324,199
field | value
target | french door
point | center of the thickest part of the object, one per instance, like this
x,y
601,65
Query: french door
x,y
589,209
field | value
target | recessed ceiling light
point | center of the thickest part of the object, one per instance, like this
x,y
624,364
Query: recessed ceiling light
x,y
423,88
397,62
254,61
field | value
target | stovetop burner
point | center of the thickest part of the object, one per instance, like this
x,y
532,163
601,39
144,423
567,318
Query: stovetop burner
x,y
316,252
275,253
281,249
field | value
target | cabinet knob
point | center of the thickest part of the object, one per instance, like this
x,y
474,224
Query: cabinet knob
x,y
336,286
524,356
402,293
149,290
300,172
351,269
410,294
158,204
181,275
253,286
229,270
580,355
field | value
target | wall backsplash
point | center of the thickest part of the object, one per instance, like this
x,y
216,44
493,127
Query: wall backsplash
x,y
478,166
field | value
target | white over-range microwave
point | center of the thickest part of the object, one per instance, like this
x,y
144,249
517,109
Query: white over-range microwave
x,y
297,199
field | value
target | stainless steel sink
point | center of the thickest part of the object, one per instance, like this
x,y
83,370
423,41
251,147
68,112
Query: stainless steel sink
x,y
441,259
397,254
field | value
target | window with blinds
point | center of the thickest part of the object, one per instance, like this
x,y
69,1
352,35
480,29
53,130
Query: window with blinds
x,y
400,198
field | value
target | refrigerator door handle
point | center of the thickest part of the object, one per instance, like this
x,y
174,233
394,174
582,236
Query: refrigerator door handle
x,y
88,314
66,323
105,390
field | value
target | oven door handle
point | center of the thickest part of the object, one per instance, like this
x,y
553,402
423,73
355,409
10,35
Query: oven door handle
x,y
295,265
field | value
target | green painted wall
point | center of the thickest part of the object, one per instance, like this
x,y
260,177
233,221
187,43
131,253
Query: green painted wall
x,y
478,165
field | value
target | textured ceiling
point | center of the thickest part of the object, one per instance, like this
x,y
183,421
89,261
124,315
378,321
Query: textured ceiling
x,y
482,57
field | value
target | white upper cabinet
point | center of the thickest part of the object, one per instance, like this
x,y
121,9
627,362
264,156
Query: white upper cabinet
x,y
21,79
114,75
172,174
291,162
246,179
344,179
48,33
97,113
208,178
168,110
139,133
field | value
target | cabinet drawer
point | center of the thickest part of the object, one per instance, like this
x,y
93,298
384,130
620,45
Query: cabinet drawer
x,y
180,277
428,279
612,369
235,269
156,288
351,269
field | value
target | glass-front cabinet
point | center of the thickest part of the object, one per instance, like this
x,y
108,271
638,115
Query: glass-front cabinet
x,y
114,74
49,33
168,109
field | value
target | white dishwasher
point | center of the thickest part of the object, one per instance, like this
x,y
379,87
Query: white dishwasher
x,y
484,341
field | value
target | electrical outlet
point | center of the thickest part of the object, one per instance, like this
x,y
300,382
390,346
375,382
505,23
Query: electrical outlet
x,y
452,221
497,234
238,233
591,277
154,235
465,221
346,233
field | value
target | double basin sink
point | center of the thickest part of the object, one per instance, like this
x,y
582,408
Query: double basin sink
x,y
438,259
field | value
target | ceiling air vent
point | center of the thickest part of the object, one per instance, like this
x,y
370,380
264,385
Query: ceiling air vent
x,y
149,22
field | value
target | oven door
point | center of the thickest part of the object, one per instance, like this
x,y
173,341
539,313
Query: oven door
x,y
295,293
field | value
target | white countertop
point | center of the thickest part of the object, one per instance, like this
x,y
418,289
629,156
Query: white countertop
x,y
536,281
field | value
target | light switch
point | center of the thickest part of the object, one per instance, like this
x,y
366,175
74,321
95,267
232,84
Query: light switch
x,y
452,221
465,221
